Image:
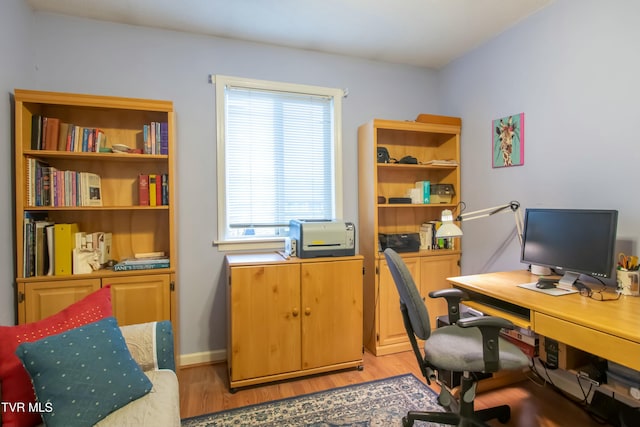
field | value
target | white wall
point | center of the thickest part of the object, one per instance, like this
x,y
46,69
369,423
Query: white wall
x,y
77,55
573,69
16,69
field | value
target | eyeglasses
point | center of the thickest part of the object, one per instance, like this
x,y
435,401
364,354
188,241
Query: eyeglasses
x,y
597,295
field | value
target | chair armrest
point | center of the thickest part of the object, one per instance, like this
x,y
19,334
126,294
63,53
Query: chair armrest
x,y
490,327
453,297
151,344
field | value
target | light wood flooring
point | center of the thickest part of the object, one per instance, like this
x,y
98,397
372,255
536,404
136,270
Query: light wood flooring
x,y
204,389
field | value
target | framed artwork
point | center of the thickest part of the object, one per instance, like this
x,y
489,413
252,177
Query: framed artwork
x,y
508,141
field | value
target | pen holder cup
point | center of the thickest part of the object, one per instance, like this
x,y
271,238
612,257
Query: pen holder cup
x,y
629,282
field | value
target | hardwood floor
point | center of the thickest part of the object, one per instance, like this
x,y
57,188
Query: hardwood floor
x,y
204,389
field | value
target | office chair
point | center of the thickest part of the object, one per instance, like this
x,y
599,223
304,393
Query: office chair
x,y
466,345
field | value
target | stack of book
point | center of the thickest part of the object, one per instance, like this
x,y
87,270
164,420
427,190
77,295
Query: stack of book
x,y
525,339
153,189
48,186
156,138
142,263
50,133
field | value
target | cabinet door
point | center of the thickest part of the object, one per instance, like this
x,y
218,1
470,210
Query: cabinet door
x,y
331,312
140,299
433,276
264,317
42,299
391,326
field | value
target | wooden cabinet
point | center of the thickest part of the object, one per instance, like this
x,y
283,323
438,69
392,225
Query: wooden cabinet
x,y
295,317
139,295
427,139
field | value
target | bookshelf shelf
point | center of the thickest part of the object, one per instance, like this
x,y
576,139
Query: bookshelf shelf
x,y
97,122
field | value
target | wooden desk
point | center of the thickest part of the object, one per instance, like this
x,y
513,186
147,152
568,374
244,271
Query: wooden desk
x,y
609,329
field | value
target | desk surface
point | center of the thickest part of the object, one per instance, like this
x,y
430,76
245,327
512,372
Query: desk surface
x,y
609,329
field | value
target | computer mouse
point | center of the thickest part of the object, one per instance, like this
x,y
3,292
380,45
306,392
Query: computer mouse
x,y
545,285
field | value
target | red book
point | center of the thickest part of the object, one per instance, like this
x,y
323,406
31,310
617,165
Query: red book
x,y
51,135
158,191
143,190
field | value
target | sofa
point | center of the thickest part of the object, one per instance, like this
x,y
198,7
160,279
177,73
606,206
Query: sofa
x,y
78,367
86,381
161,406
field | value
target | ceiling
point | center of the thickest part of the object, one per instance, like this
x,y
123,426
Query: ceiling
x,y
425,33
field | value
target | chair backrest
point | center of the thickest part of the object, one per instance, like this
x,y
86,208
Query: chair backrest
x,y
409,295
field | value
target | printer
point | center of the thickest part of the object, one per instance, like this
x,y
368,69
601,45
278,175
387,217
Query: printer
x,y
322,238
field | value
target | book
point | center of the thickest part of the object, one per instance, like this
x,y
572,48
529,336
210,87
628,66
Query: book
x,y
91,189
50,248
165,189
436,162
41,248
101,140
36,131
128,267
425,189
159,190
145,261
63,135
143,190
64,243
152,189
142,255
164,138
51,134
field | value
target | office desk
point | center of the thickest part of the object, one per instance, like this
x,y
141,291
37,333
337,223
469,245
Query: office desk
x,y
609,329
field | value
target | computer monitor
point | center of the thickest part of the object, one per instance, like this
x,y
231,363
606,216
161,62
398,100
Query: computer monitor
x,y
570,241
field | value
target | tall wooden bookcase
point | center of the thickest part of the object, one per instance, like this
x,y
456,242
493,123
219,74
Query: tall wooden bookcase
x,y
140,295
428,138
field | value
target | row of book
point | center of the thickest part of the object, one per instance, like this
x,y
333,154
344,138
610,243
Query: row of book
x,y
50,133
56,249
48,186
153,189
155,136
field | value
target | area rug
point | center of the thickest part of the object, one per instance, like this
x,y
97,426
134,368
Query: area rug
x,y
380,403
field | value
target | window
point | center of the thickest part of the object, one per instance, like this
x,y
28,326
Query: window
x,y
279,158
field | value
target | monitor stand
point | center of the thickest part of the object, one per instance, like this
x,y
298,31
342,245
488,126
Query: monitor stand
x,y
567,280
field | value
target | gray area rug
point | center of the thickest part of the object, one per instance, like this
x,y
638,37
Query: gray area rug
x,y
380,403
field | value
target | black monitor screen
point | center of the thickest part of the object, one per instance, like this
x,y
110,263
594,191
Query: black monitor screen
x,y
572,240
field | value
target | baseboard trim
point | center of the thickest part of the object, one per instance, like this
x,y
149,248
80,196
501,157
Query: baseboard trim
x,y
203,357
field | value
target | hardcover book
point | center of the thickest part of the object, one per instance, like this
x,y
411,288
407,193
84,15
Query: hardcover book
x,y
143,190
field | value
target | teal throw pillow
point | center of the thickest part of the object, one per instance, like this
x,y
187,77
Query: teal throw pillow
x,y
81,375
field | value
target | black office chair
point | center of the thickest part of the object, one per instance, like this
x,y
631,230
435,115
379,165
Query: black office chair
x,y
466,345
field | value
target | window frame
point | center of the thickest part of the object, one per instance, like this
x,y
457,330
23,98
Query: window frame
x,y
222,81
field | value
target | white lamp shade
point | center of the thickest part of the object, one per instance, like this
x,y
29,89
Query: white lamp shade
x,y
448,228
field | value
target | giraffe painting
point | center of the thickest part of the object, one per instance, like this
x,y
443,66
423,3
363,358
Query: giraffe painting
x,y
508,141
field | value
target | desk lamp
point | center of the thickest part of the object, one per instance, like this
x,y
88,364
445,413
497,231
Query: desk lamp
x,y
449,229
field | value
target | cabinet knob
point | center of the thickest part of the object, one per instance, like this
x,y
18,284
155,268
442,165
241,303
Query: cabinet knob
x,y
295,312
307,311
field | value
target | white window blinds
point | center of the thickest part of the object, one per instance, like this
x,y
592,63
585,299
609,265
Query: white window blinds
x,y
279,157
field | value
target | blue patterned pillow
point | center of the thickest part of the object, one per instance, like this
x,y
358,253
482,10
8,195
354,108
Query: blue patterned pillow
x,y
83,374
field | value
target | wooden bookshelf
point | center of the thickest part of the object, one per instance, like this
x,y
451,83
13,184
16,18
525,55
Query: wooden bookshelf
x,y
138,296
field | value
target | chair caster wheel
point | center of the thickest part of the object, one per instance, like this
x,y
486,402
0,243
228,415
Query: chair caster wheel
x,y
406,422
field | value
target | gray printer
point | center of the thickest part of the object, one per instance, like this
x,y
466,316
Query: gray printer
x,y
323,238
